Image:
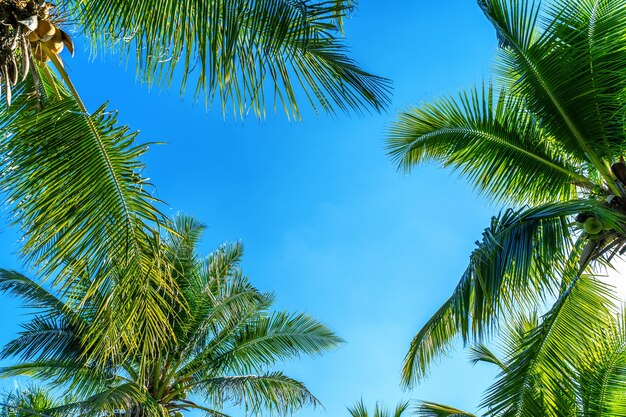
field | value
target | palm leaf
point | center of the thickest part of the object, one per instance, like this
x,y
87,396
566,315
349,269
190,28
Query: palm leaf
x,y
602,380
540,375
273,391
570,73
492,140
519,261
74,183
238,49
428,409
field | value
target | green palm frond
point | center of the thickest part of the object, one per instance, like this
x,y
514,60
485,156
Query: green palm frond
x,y
428,409
84,197
493,141
43,338
543,372
400,409
110,401
519,261
570,73
602,380
30,401
225,337
31,293
481,353
74,183
360,410
277,337
273,391
238,50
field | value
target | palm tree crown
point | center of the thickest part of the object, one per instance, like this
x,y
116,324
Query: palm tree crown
x,y
547,137
222,348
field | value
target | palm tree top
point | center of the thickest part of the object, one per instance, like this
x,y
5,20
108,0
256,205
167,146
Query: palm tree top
x,y
545,136
224,344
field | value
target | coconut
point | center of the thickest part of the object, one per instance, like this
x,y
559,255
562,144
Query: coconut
x,y
56,43
45,30
593,226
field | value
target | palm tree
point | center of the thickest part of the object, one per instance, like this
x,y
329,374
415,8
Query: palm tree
x,y
73,176
31,401
547,138
360,410
598,388
225,341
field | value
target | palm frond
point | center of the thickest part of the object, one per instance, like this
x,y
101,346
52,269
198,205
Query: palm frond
x,y
265,340
428,409
602,377
359,409
519,261
43,338
74,183
569,71
127,396
493,141
239,50
32,294
543,372
273,391
481,353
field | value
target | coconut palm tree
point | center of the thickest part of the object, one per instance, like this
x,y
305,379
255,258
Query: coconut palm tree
x,y
31,401
547,138
360,410
73,176
222,350
597,391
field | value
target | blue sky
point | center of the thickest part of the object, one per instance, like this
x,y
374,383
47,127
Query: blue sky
x,y
328,223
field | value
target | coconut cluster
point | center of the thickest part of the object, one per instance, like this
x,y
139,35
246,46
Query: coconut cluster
x,y
592,225
29,31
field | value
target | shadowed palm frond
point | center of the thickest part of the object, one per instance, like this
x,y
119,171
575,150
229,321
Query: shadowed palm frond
x,y
520,260
274,391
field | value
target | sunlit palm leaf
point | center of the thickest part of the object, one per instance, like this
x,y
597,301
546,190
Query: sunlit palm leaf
x,y
492,140
223,340
75,186
602,381
544,369
239,50
571,73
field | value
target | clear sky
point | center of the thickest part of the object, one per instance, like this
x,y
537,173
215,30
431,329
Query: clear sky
x,y
328,223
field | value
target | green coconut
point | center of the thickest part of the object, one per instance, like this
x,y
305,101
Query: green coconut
x,y
593,226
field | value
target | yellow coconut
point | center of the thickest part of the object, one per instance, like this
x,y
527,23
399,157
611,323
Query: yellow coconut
x,y
45,30
56,43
